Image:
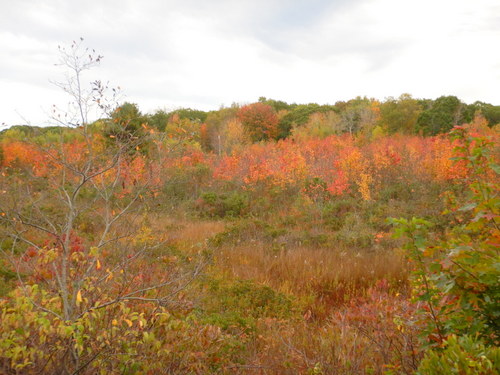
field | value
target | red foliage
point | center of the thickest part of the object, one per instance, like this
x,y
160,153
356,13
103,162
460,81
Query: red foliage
x,y
260,121
340,164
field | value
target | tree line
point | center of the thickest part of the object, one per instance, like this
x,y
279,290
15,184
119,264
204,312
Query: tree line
x,y
268,119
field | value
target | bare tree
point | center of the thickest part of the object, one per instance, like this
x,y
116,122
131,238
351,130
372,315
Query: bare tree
x,y
76,229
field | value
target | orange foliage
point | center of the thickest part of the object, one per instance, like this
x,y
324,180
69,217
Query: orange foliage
x,y
339,164
260,121
21,154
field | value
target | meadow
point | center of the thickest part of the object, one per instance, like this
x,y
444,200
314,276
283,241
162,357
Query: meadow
x,y
144,250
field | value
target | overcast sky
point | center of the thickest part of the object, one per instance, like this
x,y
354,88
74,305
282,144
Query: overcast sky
x,y
203,54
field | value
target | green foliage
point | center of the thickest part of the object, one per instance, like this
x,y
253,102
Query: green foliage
x,y
185,183
400,115
278,105
184,130
18,132
216,132
241,302
33,339
7,276
185,117
191,114
309,238
295,239
299,115
335,211
462,355
472,270
126,127
358,116
378,132
489,111
158,120
247,230
221,205
319,126
400,190
440,115
457,278
316,189
120,339
39,135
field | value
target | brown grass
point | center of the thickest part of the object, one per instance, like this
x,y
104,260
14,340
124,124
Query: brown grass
x,y
185,232
331,276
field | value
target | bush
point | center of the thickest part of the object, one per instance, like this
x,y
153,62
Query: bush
x,y
247,230
127,339
223,205
462,356
456,278
186,182
240,303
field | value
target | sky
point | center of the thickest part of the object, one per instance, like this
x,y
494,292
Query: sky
x,y
168,54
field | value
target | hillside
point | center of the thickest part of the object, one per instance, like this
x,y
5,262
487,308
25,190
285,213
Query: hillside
x,y
225,242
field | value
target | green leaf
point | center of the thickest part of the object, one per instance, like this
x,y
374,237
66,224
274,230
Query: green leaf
x,y
435,267
468,207
495,167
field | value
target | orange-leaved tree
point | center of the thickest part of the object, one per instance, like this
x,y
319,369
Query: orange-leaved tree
x,y
260,121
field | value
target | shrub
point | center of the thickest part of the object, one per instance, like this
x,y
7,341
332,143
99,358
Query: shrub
x,y
221,205
239,303
463,355
456,278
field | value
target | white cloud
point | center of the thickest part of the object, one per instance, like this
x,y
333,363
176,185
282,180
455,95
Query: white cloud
x,y
204,54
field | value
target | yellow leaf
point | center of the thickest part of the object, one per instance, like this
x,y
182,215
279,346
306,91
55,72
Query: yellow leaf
x,y
110,275
79,297
114,322
98,265
129,322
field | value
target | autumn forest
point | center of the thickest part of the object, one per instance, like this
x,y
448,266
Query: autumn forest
x,y
360,237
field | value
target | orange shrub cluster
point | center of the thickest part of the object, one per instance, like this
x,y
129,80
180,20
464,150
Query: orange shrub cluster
x,y
341,163
338,164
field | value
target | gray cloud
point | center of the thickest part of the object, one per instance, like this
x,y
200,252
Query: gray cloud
x,y
207,53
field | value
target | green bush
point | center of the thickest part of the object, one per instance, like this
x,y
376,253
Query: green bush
x,y
247,230
223,205
462,356
335,211
186,183
240,303
455,276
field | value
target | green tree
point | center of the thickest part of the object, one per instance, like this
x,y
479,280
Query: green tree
x,y
194,115
489,111
127,127
440,115
358,114
298,115
215,129
400,115
320,125
158,120
278,105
